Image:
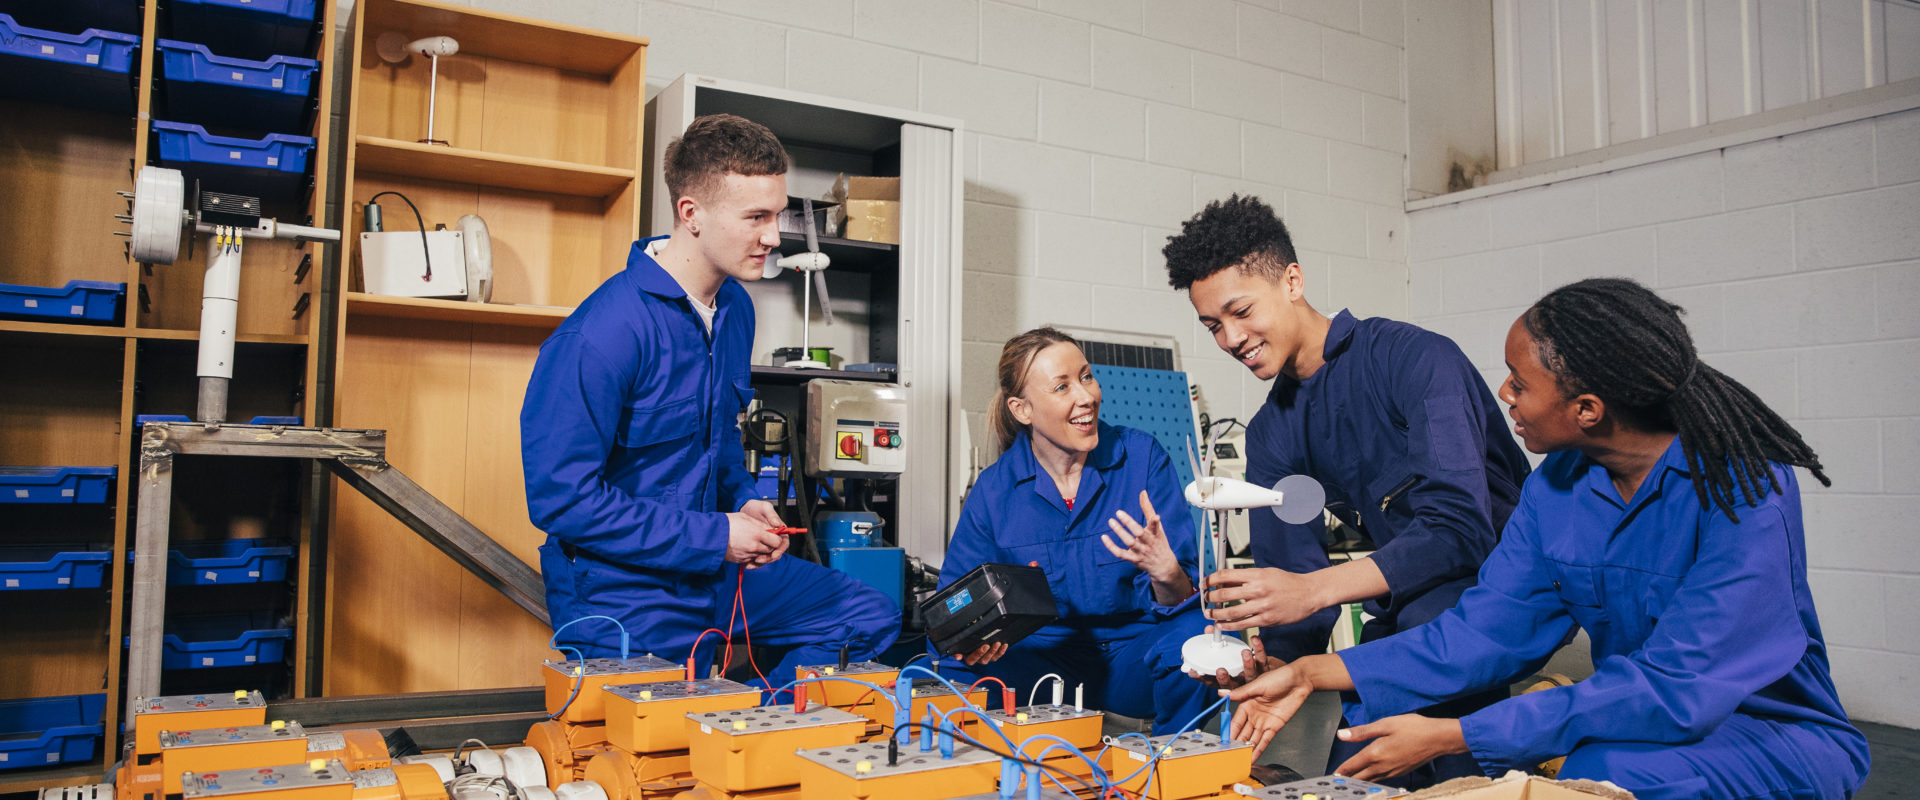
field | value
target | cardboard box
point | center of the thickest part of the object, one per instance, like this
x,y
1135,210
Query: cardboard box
x,y
871,207
1521,786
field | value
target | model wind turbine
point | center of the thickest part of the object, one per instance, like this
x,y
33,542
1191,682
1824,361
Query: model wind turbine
x,y
812,263
1296,499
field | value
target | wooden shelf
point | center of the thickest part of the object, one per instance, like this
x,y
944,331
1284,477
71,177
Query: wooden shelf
x,y
117,332
60,328
485,33
376,305
789,376
458,165
847,254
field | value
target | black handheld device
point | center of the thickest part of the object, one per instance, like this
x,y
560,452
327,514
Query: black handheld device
x,y
994,603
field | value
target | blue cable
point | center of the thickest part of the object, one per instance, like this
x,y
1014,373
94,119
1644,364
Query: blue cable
x,y
579,677
1059,743
1157,751
877,688
551,641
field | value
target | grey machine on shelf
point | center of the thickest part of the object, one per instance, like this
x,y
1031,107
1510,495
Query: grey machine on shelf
x,y
357,457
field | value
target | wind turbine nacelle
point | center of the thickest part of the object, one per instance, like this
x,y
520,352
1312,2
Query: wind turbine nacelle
x,y
1216,493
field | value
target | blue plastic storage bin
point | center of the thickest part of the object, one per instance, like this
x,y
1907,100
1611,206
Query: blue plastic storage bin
x,y
78,301
246,28
93,69
27,567
74,16
227,561
224,640
272,166
270,95
55,484
50,730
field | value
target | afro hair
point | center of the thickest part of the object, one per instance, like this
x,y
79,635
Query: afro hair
x,y
1238,231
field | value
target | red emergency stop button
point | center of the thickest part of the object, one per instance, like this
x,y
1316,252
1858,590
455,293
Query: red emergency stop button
x,y
882,437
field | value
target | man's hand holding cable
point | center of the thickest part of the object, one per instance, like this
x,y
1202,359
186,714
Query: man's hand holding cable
x,y
1145,546
750,542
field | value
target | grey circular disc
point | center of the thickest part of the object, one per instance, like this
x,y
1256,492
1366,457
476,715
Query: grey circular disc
x,y
1305,499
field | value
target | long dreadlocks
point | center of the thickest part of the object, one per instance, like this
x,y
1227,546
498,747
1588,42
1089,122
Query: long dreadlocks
x,y
1617,340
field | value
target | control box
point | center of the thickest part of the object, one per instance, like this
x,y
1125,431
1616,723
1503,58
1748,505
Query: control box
x,y
315,780
745,750
651,717
841,694
856,429
215,749
995,603
1079,726
1191,764
861,770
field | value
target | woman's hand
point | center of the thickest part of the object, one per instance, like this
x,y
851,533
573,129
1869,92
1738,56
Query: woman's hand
x,y
1268,703
984,654
1146,547
1267,597
1400,744
1254,662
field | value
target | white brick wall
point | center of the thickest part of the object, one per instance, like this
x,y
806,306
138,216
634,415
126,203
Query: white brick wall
x,y
1795,259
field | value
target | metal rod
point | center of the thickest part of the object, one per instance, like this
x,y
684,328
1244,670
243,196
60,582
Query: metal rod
x,y
433,90
147,615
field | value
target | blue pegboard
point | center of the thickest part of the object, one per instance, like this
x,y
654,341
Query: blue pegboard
x,y
1155,401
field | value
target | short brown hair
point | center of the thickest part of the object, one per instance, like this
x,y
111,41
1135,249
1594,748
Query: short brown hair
x,y
718,144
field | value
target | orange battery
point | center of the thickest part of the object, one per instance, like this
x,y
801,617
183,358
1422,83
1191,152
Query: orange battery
x,y
138,782
589,705
404,782
1079,726
652,717
217,749
861,772
928,693
651,776
565,747
1192,764
315,780
702,791
841,694
749,749
151,715
359,749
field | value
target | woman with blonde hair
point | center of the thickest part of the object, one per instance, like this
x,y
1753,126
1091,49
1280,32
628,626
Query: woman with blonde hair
x,y
1064,495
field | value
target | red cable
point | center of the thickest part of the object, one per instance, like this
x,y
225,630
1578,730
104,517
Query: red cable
x,y
746,630
694,652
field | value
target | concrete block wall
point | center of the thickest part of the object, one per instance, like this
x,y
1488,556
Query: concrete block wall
x,y
1795,258
1094,127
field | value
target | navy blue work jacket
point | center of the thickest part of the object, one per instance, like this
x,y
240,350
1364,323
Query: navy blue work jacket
x,y
1402,431
1015,515
1693,617
629,436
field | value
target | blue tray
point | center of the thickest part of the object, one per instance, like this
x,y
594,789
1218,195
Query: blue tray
x,y
92,69
270,95
74,16
227,561
272,166
224,640
26,567
50,730
246,28
55,484
78,301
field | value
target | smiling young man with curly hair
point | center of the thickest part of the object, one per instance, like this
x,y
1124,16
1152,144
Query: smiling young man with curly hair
x,y
1392,419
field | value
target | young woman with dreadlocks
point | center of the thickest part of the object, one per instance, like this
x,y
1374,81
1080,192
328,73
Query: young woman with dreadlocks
x,y
1666,523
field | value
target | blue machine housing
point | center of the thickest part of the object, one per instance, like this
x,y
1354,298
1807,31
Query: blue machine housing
x,y
850,541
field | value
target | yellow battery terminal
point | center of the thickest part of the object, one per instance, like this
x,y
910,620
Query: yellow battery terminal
x,y
646,694
239,694
1309,797
1020,717
576,669
829,670
317,764
739,724
279,724
863,767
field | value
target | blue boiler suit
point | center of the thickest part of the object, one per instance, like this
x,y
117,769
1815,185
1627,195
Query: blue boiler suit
x,y
1710,674
1411,446
1111,635
631,448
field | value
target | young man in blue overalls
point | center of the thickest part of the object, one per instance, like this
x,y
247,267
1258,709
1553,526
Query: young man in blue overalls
x,y
631,447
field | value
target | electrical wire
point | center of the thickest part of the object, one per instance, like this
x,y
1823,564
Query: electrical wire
x,y
425,253
1043,679
579,676
1014,756
580,671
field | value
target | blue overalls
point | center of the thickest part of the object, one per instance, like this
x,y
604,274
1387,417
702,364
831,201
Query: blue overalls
x,y
631,448
1409,443
1111,635
1710,674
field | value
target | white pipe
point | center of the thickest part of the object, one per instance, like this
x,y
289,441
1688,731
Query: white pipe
x,y
219,318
